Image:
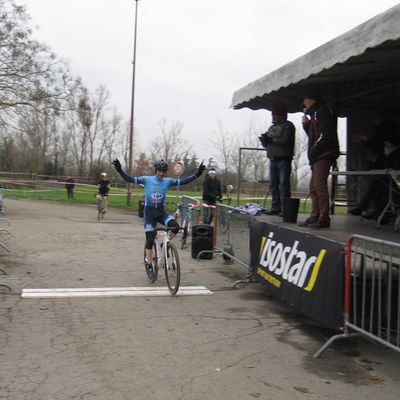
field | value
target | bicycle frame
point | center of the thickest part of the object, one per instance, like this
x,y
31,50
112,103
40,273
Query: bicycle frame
x,y
101,206
163,243
168,258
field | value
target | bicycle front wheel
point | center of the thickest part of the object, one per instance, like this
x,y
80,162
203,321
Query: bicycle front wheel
x,y
172,268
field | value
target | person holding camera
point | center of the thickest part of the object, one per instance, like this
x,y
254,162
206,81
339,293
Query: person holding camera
x,y
279,141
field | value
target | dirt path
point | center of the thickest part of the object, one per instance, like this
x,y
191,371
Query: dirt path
x,y
234,344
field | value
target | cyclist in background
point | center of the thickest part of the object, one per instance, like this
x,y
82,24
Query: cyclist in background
x,y
155,192
104,187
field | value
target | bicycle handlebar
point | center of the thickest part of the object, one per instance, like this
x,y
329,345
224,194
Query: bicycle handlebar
x,y
167,228
196,206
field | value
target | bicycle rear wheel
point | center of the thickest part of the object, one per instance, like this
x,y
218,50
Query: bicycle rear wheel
x,y
172,268
152,275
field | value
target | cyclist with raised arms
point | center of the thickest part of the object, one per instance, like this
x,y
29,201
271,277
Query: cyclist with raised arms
x,y
155,191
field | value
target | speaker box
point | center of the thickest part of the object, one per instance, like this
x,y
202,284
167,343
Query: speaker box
x,y
141,208
202,239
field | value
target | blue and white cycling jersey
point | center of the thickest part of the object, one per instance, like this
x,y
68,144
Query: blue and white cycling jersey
x,y
155,189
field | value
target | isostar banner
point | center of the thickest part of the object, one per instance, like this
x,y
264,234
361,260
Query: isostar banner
x,y
304,270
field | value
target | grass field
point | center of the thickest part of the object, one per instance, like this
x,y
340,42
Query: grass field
x,y
86,194
83,195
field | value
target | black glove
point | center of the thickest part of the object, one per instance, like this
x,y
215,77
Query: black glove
x,y
117,165
265,139
201,169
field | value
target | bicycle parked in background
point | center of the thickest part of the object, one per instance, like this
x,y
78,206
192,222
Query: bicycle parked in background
x,y
188,215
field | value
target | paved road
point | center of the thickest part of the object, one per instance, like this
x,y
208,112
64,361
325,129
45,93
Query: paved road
x,y
233,344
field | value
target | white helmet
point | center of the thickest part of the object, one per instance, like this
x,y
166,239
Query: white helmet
x,y
103,174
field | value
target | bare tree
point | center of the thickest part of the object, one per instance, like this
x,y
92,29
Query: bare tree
x,y
97,110
110,136
170,145
79,123
64,140
254,160
143,166
300,169
31,75
222,148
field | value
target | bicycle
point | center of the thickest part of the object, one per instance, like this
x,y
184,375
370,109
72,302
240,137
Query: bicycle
x,y
187,222
101,206
165,255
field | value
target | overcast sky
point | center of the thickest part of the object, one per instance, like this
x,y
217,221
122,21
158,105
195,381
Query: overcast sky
x,y
191,54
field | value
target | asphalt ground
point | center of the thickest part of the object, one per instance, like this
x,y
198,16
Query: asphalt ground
x,y
234,344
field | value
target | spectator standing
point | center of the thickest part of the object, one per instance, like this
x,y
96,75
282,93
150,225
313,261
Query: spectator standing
x,y
69,186
392,151
320,124
374,143
211,193
377,191
383,128
279,141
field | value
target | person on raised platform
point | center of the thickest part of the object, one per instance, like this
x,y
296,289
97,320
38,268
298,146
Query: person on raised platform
x,y
375,198
320,124
279,141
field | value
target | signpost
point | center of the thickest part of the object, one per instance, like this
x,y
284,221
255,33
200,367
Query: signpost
x,y
179,169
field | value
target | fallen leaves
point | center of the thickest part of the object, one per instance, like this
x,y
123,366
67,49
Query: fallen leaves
x,y
376,378
301,389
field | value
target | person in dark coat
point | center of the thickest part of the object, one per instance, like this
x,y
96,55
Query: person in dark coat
x,y
375,197
320,124
279,141
211,193
69,186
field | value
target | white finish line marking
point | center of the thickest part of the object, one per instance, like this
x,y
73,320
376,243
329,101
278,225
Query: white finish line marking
x,y
113,292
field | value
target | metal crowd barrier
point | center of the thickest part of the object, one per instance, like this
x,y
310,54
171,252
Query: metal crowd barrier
x,y
2,208
372,292
233,237
183,209
4,285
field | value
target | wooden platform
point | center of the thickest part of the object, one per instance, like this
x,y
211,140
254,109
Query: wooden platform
x,y
342,227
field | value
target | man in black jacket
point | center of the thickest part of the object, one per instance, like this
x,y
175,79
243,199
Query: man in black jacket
x,y
279,142
320,124
211,193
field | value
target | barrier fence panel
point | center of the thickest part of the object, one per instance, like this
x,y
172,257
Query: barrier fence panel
x,y
233,237
184,208
2,208
372,291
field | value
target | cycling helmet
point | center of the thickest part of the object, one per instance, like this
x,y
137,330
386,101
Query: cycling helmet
x,y
161,165
103,175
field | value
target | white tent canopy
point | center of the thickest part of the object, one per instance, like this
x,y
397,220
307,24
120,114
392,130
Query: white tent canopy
x,y
358,70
